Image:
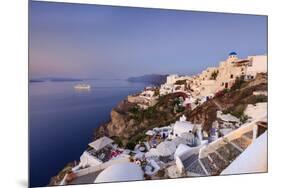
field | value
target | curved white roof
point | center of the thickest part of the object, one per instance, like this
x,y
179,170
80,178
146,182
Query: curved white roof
x,y
182,148
121,172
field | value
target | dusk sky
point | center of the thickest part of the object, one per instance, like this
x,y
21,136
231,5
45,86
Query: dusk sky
x,y
91,41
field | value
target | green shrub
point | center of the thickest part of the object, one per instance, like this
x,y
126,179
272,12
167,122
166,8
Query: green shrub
x,y
226,111
238,110
176,101
156,92
149,112
131,145
261,98
180,109
140,137
237,84
134,110
225,90
214,75
117,140
244,118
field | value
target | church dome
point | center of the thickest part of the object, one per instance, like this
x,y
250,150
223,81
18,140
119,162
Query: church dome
x,y
232,53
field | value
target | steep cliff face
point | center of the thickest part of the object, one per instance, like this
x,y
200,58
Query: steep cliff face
x,y
121,125
129,122
233,101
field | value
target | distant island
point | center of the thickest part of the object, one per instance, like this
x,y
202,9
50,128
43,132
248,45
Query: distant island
x,y
155,79
50,79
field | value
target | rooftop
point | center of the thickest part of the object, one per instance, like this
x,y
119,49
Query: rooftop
x,y
120,172
100,143
232,53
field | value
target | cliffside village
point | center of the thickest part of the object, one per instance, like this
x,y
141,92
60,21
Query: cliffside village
x,y
184,149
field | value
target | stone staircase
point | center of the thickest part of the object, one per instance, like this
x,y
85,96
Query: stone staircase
x,y
193,166
217,160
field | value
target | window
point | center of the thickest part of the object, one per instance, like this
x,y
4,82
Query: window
x,y
222,84
242,69
231,76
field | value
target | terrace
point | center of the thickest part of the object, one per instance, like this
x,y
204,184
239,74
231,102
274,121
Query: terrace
x,y
220,154
103,149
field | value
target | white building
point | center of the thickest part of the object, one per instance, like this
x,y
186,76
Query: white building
x,y
171,79
182,127
166,89
214,79
258,64
120,172
145,99
248,146
171,85
93,156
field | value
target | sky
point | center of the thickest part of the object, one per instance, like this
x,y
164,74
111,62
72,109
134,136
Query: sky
x,y
94,41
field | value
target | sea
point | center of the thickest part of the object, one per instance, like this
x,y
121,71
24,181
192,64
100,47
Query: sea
x,y
62,121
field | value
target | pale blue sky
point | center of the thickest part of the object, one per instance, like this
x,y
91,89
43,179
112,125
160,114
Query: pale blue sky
x,y
93,41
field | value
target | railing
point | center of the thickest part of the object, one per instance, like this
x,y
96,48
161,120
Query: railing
x,y
204,151
91,155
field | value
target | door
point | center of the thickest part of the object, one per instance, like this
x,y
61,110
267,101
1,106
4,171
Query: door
x,y
226,85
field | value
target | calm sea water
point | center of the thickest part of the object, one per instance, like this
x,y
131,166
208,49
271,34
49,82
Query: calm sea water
x,y
62,121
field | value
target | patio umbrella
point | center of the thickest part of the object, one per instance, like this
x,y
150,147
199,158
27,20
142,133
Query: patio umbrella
x,y
153,152
166,148
179,140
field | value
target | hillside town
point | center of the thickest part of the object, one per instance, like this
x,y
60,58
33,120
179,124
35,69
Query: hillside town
x,y
233,141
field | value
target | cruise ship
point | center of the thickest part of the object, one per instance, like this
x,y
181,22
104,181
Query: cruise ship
x,y
82,87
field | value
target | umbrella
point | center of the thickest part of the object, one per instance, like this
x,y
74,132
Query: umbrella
x,y
166,148
153,152
179,140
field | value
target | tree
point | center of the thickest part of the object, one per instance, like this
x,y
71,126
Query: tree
x,y
214,75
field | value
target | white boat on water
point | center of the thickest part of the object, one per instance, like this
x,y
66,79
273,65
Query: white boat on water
x,y
82,87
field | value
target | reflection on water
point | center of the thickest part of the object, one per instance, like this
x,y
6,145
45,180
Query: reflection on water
x,y
79,90
62,121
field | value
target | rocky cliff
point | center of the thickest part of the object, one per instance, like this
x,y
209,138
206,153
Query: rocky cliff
x,y
233,101
129,123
